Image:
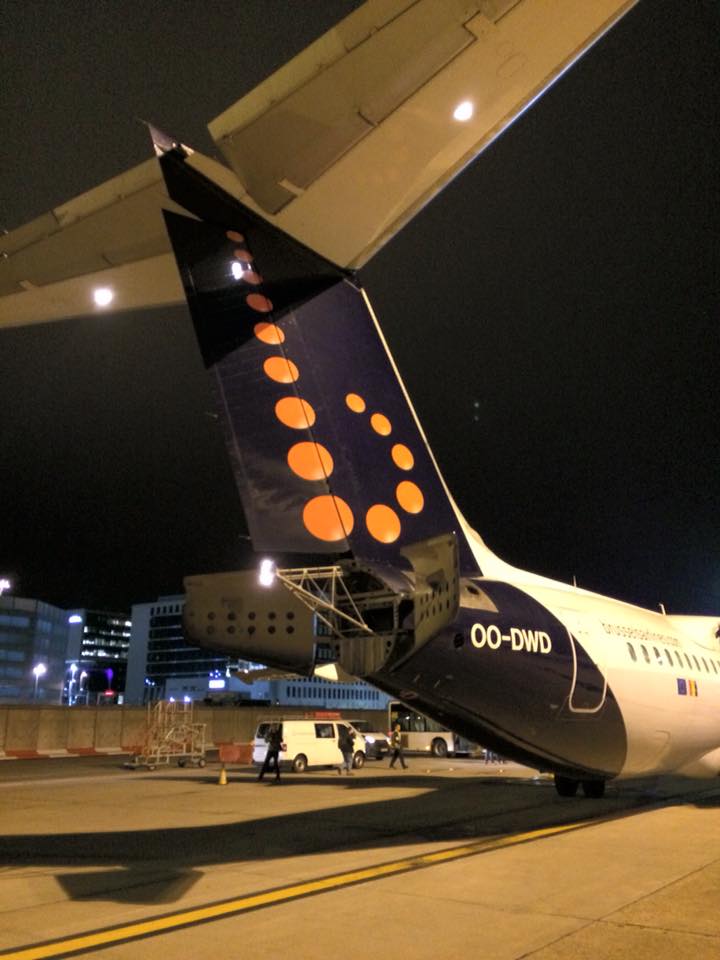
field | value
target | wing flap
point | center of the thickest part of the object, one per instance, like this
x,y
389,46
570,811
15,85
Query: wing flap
x,y
345,144
113,235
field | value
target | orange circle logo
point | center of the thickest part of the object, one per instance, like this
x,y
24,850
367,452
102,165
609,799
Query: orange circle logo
x,y
402,457
383,523
235,236
244,255
310,461
355,402
410,497
281,370
256,301
295,413
328,518
269,333
380,424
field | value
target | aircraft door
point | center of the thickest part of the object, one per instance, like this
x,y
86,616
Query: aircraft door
x,y
589,681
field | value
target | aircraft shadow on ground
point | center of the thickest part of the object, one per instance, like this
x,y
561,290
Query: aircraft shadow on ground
x,y
160,866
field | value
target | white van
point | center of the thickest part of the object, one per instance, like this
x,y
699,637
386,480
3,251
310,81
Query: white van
x,y
308,743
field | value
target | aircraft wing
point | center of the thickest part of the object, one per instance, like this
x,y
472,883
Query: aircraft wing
x,y
113,236
339,148
347,141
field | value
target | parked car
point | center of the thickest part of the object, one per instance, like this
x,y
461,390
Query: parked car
x,y
376,743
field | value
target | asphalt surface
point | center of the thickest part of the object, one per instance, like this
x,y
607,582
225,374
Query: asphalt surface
x,y
447,857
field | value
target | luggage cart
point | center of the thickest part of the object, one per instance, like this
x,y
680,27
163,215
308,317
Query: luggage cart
x,y
171,735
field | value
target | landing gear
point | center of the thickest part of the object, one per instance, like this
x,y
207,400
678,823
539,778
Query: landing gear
x,y
565,786
568,787
595,789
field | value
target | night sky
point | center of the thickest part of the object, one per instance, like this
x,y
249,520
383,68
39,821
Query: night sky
x,y
554,314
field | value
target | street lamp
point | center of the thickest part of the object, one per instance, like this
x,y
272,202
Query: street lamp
x,y
71,684
39,670
4,585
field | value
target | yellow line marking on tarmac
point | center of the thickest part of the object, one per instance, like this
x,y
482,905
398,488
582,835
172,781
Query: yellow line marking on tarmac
x,y
216,911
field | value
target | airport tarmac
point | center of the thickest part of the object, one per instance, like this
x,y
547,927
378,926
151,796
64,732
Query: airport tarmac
x,y
445,859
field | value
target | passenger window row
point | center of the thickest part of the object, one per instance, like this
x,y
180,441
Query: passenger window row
x,y
667,660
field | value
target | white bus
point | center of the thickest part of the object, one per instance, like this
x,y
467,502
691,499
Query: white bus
x,y
420,734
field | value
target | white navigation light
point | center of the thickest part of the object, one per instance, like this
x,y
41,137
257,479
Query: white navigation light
x,y
464,111
103,296
266,577
237,270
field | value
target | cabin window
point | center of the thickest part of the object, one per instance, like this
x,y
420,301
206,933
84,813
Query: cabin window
x,y
631,651
696,662
658,657
712,664
645,653
668,657
707,668
688,661
679,659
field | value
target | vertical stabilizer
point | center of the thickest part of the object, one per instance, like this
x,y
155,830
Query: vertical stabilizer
x,y
325,446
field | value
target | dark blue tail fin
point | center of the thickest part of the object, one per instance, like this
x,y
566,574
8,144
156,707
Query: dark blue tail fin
x,y
326,449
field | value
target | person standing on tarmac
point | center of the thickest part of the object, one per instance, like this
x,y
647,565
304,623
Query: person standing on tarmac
x,y
274,742
346,743
397,747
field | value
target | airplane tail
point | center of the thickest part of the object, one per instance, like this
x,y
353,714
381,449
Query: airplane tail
x,y
326,449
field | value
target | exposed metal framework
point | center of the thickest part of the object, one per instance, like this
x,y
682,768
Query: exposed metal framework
x,y
324,591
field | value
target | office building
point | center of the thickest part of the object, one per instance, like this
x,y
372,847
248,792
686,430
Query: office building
x,y
97,655
33,641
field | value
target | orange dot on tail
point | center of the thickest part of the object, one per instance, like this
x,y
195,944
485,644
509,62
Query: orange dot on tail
x,y
355,402
244,255
269,333
281,370
235,236
295,413
328,518
383,523
402,457
311,461
256,301
249,276
380,424
410,497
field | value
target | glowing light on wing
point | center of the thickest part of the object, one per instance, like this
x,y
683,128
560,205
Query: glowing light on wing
x,y
464,111
103,296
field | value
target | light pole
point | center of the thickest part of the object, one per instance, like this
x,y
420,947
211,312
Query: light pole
x,y
39,670
4,585
83,676
71,684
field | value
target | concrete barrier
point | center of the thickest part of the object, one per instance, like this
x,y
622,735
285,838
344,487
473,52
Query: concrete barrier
x,y
22,730
30,730
52,730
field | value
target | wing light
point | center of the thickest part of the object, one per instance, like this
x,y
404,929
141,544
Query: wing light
x,y
103,296
464,111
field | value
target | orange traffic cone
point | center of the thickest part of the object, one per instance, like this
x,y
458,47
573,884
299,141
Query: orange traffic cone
x,y
222,779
